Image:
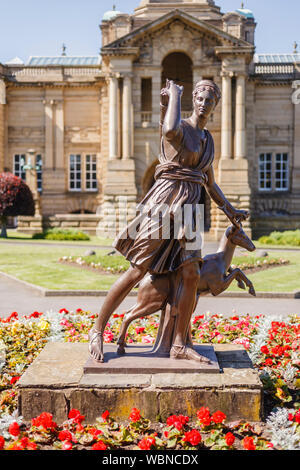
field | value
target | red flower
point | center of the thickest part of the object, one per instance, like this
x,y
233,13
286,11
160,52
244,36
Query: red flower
x,y
264,350
105,415
31,446
65,435
44,420
35,314
268,362
14,429
248,443
76,416
193,437
24,441
95,432
99,446
139,330
67,445
79,428
218,417
147,443
13,380
63,310
229,438
204,416
297,417
2,442
177,421
135,415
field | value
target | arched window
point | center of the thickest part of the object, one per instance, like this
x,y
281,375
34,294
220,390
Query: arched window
x,y
178,67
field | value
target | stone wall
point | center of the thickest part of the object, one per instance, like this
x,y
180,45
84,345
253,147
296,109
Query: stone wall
x,y
265,225
84,222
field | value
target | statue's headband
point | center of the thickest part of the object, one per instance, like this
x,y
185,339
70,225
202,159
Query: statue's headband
x,y
208,85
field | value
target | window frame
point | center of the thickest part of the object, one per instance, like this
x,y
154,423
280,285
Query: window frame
x,y
75,189
84,172
39,173
273,171
20,173
281,170
91,171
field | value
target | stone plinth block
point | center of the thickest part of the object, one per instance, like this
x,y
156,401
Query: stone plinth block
x,y
55,382
139,359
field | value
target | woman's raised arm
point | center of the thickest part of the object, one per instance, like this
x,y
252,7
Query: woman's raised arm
x,y
171,126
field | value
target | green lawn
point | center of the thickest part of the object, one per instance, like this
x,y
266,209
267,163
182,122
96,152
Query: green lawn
x,y
279,279
275,247
39,265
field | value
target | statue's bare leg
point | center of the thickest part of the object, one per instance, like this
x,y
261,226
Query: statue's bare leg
x,y
117,293
181,347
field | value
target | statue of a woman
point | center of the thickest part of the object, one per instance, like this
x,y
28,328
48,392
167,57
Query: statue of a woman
x,y
186,158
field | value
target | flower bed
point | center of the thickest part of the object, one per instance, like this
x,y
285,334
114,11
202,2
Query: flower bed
x,y
116,264
272,344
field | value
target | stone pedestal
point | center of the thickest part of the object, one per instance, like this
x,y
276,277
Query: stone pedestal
x,y
119,200
234,182
55,382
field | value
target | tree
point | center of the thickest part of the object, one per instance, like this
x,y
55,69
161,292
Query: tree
x,y
15,199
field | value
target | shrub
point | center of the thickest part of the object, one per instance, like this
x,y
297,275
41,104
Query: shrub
x,y
15,199
289,237
62,234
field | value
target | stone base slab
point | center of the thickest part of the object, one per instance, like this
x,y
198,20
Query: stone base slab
x,y
139,359
55,382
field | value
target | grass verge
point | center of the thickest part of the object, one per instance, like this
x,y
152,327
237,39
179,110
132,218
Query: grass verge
x,y
39,265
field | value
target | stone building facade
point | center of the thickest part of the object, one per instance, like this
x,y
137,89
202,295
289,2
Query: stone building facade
x,y
92,122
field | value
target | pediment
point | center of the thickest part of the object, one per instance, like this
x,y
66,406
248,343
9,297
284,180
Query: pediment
x,y
151,29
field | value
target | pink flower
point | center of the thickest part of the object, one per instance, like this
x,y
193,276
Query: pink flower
x,y
108,336
147,339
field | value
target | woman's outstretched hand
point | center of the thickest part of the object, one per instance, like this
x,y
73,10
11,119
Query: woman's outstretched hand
x,y
166,92
239,216
171,87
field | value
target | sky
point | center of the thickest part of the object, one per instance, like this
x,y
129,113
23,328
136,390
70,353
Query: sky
x,y
35,27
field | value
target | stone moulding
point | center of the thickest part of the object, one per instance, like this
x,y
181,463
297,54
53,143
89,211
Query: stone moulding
x,y
55,383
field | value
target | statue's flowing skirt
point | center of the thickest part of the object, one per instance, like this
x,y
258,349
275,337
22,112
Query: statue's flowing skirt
x,y
156,239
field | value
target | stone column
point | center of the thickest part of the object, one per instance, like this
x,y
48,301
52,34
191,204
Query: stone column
x,y
59,134
2,122
240,117
226,131
127,125
113,118
54,168
49,134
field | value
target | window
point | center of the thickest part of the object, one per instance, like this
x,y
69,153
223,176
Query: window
x,y
281,172
265,171
83,172
273,172
75,173
38,163
91,172
19,162
146,103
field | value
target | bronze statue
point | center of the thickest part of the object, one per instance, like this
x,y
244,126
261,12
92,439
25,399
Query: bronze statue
x,y
186,158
